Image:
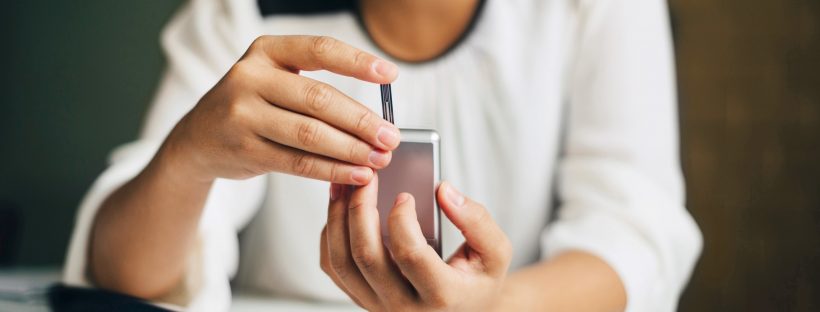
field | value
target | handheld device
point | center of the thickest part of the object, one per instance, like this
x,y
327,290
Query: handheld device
x,y
415,169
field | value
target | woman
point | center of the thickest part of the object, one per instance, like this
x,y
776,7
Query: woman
x,y
245,128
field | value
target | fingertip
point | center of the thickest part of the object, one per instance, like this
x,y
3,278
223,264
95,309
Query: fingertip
x,y
450,196
366,194
361,175
389,136
440,195
385,71
441,187
404,208
375,178
380,158
402,198
402,223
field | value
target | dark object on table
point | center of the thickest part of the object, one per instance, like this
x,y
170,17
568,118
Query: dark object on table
x,y
62,298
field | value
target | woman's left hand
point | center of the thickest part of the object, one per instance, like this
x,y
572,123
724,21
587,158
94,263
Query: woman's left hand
x,y
411,276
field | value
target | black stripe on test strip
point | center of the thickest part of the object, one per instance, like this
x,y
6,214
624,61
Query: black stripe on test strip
x,y
387,102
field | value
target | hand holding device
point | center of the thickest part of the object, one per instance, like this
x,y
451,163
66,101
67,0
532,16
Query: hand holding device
x,y
411,275
361,221
262,116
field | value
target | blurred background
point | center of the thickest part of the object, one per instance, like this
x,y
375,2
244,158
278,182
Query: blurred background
x,y
77,77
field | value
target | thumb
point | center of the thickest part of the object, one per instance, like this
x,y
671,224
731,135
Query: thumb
x,y
480,231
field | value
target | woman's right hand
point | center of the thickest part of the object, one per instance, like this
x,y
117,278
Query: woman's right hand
x,y
262,116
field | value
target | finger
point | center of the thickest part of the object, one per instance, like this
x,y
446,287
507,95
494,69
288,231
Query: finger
x,y
326,266
319,52
319,100
367,247
312,135
324,263
480,232
418,262
285,159
341,260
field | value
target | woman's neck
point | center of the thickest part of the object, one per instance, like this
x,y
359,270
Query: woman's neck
x,y
416,30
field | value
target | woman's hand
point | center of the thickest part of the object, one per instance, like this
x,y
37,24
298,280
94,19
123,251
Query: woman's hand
x,y
263,116
411,276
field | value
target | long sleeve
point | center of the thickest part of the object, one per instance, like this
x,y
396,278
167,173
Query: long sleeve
x,y
619,179
197,58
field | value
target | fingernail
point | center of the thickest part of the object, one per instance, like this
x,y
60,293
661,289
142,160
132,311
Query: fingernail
x,y
361,175
385,69
401,198
388,136
379,158
453,196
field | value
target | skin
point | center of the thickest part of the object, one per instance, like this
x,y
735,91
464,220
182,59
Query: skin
x,y
416,30
410,276
262,117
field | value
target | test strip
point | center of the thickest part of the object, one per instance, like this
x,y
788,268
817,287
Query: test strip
x,y
387,102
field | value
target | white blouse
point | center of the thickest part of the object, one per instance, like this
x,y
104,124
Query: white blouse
x,y
567,98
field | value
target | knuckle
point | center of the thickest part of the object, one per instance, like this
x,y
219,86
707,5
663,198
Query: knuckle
x,y
308,133
441,299
408,256
364,257
394,219
353,152
479,216
364,121
245,145
321,45
323,263
360,58
237,111
241,70
355,204
341,267
237,114
259,42
304,165
318,96
335,173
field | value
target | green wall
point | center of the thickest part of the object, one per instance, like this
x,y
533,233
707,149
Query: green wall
x,y
76,80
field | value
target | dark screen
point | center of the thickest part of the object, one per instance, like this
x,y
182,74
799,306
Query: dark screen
x,y
411,171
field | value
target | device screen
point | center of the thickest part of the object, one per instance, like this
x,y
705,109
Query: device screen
x,y
411,171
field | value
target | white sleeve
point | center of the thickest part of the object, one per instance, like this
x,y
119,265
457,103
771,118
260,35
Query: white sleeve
x,y
619,178
200,47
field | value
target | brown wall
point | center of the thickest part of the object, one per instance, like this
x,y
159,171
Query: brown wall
x,y
749,78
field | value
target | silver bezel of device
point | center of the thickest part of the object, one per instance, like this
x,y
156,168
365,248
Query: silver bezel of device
x,y
430,136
